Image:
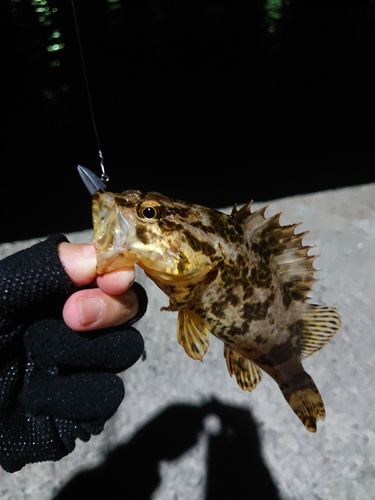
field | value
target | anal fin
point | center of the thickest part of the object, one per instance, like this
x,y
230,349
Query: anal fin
x,y
247,373
193,333
319,325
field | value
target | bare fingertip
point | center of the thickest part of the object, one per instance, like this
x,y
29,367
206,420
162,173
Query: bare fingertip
x,y
88,251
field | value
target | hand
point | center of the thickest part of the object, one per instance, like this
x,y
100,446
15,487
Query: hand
x,y
113,303
57,384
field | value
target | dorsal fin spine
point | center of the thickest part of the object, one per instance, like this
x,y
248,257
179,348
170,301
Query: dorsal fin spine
x,y
285,247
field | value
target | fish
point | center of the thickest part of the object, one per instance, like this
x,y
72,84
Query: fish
x,y
243,278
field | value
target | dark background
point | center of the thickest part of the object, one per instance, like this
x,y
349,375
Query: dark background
x,y
211,101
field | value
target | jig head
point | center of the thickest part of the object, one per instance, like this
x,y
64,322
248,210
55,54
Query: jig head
x,y
90,180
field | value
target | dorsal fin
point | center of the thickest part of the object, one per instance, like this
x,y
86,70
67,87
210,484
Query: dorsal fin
x,y
288,254
252,219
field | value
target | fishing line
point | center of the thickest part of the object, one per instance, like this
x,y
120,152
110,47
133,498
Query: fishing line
x,y
104,177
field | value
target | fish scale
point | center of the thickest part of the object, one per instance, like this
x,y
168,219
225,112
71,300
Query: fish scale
x,y
242,277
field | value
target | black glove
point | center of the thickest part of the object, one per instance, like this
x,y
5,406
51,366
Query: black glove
x,y
55,384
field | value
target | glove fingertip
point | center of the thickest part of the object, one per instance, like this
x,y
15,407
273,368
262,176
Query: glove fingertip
x,y
135,347
142,302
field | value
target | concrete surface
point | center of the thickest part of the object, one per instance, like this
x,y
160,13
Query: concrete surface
x,y
336,463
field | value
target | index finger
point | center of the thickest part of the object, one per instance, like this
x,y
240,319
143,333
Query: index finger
x,y
79,261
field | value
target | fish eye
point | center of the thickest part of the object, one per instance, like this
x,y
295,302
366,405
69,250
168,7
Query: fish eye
x,y
149,210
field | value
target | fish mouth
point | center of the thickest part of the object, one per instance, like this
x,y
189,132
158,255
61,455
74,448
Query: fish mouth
x,y
112,248
114,260
112,234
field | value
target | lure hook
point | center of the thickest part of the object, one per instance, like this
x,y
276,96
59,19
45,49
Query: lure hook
x,y
90,180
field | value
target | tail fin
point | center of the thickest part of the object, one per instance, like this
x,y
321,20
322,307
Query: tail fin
x,y
304,398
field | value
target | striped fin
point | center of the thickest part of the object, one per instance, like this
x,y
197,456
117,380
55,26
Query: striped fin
x,y
248,374
319,325
193,333
304,398
288,254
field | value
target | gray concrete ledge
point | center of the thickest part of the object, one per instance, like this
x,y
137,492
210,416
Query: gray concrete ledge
x,y
336,463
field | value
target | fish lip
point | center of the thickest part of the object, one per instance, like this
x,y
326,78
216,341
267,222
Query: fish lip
x,y
90,180
114,260
113,234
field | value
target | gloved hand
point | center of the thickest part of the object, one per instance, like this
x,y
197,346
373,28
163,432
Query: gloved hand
x,y
56,385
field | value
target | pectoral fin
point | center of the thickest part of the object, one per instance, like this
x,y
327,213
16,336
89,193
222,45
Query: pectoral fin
x,y
247,373
193,333
319,325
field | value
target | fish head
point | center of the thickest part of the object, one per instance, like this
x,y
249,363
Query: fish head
x,y
155,232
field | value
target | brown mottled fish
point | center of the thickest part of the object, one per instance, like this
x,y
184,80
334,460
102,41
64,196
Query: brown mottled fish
x,y
243,278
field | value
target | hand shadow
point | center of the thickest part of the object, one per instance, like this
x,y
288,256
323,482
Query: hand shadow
x,y
235,468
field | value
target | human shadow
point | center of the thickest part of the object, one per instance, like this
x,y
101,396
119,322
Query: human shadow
x,y
234,465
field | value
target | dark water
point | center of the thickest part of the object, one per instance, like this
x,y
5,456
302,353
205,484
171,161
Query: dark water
x,y
215,102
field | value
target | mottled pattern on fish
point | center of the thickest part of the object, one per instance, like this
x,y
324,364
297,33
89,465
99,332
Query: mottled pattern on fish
x,y
242,278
